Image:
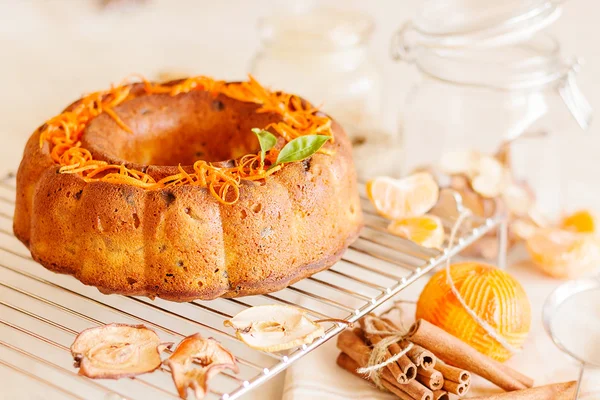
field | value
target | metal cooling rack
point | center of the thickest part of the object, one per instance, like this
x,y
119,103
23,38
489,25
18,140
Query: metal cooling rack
x,y
41,312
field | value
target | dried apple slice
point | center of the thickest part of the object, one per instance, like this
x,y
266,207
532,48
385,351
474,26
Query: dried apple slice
x,y
117,350
274,327
208,354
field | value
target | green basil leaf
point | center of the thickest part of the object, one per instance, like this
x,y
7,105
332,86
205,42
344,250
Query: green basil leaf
x,y
301,148
266,140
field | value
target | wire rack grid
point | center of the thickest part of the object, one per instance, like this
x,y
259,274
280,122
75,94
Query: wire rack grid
x,y
41,312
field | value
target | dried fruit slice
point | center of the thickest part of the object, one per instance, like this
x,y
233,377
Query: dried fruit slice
x,y
208,354
564,254
274,327
519,198
401,198
581,221
523,228
116,351
462,162
491,177
426,230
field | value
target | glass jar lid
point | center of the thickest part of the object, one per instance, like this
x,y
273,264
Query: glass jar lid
x,y
481,23
316,28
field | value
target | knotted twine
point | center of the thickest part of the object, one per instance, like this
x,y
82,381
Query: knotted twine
x,y
377,358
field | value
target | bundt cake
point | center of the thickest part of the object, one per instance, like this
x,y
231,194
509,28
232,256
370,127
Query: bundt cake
x,y
169,190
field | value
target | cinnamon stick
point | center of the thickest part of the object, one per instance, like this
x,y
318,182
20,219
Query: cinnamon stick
x,y
525,380
432,379
351,366
395,390
556,391
456,352
457,388
452,373
419,356
422,357
349,343
440,395
416,390
404,363
394,368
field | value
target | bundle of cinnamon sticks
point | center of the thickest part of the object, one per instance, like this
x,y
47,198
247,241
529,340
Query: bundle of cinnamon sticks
x,y
436,364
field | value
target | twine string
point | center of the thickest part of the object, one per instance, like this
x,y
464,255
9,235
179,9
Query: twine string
x,y
486,327
377,358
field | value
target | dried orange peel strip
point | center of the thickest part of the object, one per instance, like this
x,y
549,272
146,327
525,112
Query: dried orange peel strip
x,y
63,133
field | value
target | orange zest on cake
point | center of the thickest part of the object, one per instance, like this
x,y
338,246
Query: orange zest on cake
x,y
63,133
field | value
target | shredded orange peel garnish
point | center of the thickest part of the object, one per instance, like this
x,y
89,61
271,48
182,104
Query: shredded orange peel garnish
x,y
64,131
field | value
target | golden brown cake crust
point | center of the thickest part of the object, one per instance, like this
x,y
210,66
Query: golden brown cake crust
x,y
179,243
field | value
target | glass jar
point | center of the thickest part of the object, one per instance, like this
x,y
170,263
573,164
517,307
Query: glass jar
x,y
322,55
477,97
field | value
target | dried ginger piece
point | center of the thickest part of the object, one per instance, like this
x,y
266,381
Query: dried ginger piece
x,y
211,357
274,327
117,350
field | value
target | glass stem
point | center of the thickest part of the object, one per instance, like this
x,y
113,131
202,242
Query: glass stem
x,y
581,370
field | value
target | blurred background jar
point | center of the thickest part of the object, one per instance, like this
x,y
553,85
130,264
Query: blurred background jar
x,y
488,78
322,54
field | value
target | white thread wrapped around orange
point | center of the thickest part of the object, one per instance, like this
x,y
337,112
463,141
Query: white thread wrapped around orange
x,y
494,295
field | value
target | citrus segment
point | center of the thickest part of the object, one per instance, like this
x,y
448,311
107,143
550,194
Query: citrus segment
x,y
426,230
564,254
401,198
581,221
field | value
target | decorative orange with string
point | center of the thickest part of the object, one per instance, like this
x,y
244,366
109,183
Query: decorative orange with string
x,y
304,129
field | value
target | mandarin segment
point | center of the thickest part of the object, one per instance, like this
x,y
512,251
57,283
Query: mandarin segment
x,y
426,230
564,254
492,293
399,198
582,221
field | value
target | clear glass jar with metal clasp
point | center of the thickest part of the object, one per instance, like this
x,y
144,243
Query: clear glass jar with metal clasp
x,y
481,88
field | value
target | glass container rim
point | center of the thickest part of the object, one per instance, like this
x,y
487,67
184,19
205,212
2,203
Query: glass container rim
x,y
506,22
311,29
542,64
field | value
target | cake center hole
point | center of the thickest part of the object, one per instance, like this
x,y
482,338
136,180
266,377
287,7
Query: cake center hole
x,y
173,130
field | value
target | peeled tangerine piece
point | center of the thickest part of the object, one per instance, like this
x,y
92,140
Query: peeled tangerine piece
x,y
426,230
564,254
116,351
274,328
400,198
196,361
581,221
